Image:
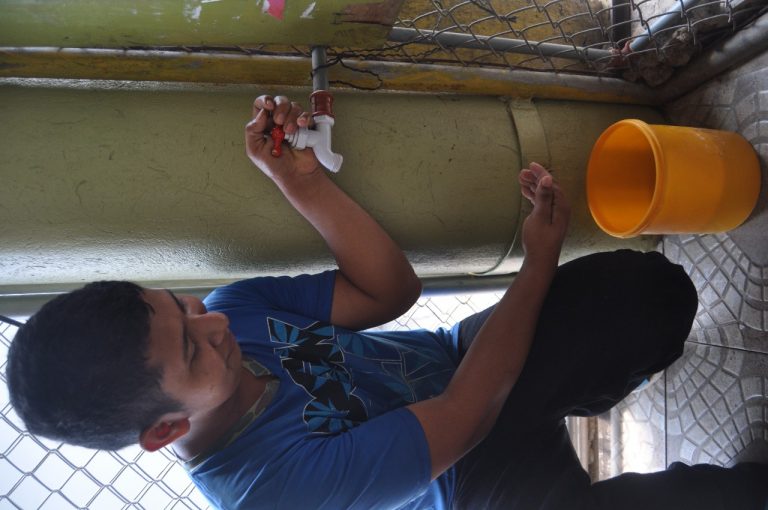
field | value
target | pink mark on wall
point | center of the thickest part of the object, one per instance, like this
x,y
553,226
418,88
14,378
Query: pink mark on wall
x,y
275,8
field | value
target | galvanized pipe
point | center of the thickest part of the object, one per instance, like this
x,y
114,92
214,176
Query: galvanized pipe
x,y
319,69
621,20
747,43
19,305
501,44
665,21
169,66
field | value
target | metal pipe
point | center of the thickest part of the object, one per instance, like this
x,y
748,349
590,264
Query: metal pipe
x,y
319,138
621,21
465,284
169,66
747,43
665,21
20,306
502,44
319,69
617,452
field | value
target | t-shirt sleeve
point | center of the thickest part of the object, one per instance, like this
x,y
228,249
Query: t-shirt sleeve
x,y
385,463
307,295
381,464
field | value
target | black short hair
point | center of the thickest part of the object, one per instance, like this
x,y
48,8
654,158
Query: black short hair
x,y
78,371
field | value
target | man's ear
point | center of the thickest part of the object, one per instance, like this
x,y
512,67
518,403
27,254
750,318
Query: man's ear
x,y
163,433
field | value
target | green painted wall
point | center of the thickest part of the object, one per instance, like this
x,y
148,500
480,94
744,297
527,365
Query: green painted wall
x,y
124,23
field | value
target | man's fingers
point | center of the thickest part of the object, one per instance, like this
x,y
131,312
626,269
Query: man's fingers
x,y
544,191
254,132
532,174
537,169
527,176
304,120
263,102
528,193
258,124
543,199
529,179
545,185
291,120
282,109
268,112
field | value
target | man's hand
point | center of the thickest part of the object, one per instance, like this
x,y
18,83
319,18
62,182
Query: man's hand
x,y
268,112
375,282
544,229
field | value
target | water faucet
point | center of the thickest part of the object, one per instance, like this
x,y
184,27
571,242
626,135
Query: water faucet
x,y
319,139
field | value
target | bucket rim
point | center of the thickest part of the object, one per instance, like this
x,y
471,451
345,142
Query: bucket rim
x,y
648,133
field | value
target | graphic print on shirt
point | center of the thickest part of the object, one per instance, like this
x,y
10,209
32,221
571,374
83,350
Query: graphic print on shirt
x,y
315,362
316,358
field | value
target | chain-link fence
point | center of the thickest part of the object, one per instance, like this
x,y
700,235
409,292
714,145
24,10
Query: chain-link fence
x,y
588,36
638,40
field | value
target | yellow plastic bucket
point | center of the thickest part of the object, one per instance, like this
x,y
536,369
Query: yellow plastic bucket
x,y
653,179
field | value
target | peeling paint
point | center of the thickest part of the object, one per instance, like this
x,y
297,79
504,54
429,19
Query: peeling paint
x,y
274,8
381,13
307,14
192,10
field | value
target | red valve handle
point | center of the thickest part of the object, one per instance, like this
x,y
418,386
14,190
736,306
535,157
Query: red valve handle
x,y
278,135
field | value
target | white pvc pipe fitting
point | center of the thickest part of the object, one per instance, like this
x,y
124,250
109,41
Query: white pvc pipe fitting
x,y
319,140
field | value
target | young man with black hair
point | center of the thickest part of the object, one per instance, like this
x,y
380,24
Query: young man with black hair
x,y
273,395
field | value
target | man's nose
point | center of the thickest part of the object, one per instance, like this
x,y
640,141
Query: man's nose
x,y
212,326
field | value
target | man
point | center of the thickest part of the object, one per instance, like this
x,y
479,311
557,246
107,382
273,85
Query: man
x,y
274,398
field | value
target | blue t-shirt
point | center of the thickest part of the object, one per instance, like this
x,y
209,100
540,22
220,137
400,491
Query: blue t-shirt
x,y
336,434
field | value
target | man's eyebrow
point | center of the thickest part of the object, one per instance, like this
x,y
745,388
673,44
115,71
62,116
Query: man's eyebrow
x,y
185,336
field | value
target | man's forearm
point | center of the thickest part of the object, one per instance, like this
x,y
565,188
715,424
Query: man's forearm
x,y
482,382
497,355
375,282
366,255
459,418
